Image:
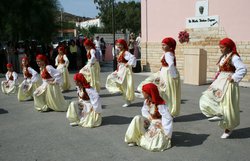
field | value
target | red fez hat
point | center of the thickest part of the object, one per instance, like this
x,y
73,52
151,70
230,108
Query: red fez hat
x,y
80,78
123,42
9,65
170,42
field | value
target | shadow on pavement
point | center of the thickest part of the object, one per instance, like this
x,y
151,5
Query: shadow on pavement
x,y
104,106
70,97
183,101
182,139
68,91
192,117
240,133
138,104
116,120
103,88
3,111
109,95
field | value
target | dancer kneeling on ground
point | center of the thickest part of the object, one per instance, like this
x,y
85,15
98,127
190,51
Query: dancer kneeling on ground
x,y
85,112
220,101
10,85
153,130
48,96
30,82
121,80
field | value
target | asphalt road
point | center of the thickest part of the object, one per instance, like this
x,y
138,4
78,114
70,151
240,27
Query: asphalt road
x,y
28,135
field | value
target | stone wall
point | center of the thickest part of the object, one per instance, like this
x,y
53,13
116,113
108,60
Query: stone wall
x,y
205,38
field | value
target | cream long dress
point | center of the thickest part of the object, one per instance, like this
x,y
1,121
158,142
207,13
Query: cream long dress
x,y
49,96
86,112
168,82
62,64
222,97
121,80
29,84
155,136
10,85
91,70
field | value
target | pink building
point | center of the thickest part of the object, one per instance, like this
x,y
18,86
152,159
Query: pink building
x,y
166,18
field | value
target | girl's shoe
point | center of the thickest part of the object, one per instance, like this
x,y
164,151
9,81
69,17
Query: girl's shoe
x,y
226,134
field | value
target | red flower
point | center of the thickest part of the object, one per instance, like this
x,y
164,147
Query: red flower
x,y
183,36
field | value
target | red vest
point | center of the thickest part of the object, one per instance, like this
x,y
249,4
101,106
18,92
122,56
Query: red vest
x,y
45,74
164,63
11,76
88,55
60,59
85,95
26,73
121,58
227,66
156,114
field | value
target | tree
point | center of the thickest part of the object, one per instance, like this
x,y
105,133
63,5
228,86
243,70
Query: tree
x,y
127,15
26,19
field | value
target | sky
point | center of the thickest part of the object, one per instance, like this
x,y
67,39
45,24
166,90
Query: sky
x,y
83,8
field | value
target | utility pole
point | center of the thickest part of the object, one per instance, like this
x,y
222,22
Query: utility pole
x,y
113,27
61,22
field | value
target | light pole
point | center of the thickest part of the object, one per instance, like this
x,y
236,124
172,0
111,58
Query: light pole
x,y
113,27
61,23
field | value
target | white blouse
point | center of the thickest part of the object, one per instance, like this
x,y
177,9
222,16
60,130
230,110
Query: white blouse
x,y
54,73
15,76
92,60
166,118
169,58
94,98
34,74
130,58
65,58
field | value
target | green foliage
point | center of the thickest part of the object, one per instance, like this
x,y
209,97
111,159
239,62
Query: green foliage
x,y
68,25
92,30
26,19
127,15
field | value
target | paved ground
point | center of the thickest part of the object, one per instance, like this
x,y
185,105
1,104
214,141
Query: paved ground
x,y
28,135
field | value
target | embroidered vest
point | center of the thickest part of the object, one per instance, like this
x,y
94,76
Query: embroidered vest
x,y
60,59
84,95
88,55
121,58
164,63
11,76
45,74
26,73
227,66
154,112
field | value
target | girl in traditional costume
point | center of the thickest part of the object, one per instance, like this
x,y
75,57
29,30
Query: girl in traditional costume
x,y
62,64
30,82
91,70
153,130
168,78
85,112
10,85
220,101
48,96
121,80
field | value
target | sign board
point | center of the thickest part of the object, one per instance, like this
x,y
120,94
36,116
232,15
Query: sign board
x,y
202,19
205,21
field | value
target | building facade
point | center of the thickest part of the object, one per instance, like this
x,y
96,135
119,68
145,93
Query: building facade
x,y
206,21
